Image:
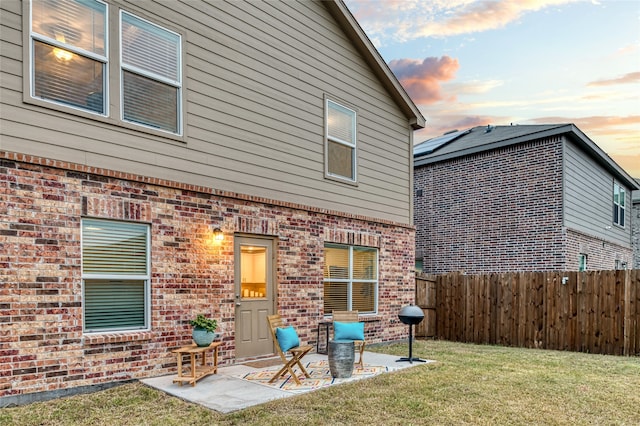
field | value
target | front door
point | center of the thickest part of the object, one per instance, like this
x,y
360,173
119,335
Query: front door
x,y
254,294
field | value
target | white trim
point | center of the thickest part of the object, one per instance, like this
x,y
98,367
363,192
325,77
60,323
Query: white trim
x,y
146,278
104,59
349,280
353,145
176,84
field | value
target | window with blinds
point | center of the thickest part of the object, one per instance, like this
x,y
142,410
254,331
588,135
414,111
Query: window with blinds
x,y
151,74
341,141
69,53
115,274
350,278
70,61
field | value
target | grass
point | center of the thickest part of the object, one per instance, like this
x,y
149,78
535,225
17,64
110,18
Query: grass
x,y
469,384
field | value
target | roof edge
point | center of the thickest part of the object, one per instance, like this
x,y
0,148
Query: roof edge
x,y
609,163
354,31
572,132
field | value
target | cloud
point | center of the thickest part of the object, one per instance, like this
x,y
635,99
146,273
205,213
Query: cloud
x,y
421,79
598,123
632,77
409,20
474,87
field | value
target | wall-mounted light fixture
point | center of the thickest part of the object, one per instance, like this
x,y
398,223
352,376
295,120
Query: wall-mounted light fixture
x,y
218,235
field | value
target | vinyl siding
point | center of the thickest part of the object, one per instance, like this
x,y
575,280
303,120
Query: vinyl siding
x,y
588,197
255,78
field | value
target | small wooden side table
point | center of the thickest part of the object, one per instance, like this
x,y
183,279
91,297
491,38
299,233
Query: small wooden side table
x,y
196,372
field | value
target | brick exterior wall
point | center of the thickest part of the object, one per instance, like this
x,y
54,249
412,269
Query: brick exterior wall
x,y
601,255
42,345
635,231
494,211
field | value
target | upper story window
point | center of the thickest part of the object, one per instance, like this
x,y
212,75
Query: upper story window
x,y
151,77
618,204
340,157
73,66
69,48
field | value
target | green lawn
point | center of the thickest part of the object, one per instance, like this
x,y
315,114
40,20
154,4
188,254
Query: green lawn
x,y
469,384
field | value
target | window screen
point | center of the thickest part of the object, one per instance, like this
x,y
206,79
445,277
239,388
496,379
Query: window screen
x,y
69,53
151,74
341,141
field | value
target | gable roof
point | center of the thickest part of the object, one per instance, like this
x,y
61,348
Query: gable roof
x,y
343,16
485,138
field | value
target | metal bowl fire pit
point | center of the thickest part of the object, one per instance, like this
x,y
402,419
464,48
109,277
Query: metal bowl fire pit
x,y
411,315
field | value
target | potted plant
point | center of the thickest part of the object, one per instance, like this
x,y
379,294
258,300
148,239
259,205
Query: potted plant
x,y
204,330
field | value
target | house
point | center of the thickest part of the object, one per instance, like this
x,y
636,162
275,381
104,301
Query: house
x,y
520,198
164,159
635,226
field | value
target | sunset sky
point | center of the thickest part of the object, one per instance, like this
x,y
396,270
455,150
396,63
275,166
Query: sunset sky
x,y
468,63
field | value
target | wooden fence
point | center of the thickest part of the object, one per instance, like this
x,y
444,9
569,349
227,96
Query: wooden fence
x,y
593,311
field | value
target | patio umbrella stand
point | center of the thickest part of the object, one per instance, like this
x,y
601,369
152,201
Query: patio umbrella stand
x,y
411,315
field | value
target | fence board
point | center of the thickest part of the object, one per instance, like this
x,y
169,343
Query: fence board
x,y
426,300
594,311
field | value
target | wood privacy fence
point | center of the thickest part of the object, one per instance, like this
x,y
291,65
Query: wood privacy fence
x,y
593,311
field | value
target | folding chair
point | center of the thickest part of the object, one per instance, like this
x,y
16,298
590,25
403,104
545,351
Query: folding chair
x,y
288,343
357,336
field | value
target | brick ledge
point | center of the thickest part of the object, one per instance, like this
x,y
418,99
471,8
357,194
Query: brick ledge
x,y
102,338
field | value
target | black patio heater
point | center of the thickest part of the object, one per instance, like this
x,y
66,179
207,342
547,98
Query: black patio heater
x,y
411,315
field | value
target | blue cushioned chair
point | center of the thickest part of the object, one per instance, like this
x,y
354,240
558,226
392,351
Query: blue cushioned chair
x,y
286,341
349,329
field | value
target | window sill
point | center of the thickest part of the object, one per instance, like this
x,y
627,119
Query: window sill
x,y
361,318
103,338
104,120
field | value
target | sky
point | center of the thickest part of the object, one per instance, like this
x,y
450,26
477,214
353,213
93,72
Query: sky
x,y
468,63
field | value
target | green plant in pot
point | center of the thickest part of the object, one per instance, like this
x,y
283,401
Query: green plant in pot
x,y
204,330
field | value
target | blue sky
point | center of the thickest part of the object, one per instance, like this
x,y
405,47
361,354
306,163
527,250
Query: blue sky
x,y
468,63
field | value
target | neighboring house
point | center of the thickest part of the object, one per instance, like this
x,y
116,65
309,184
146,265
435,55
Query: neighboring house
x,y
520,198
635,226
132,132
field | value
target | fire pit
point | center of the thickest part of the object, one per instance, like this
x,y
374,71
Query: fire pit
x,y
411,315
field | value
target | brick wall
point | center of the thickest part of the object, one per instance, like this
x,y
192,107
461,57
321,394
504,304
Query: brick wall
x,y
635,232
42,345
495,211
601,255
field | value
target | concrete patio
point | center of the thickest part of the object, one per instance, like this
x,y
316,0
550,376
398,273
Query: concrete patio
x,y
227,391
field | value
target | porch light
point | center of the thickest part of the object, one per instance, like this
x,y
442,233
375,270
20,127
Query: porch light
x,y
218,235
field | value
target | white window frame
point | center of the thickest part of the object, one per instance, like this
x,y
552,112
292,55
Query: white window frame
x,y
112,74
582,262
619,207
125,67
353,145
34,36
350,279
138,277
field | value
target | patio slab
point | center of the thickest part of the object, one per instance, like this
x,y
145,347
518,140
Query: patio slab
x,y
226,391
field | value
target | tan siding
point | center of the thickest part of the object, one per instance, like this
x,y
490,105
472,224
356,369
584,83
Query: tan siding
x,y
256,74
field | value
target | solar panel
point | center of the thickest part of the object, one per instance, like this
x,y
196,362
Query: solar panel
x,y
430,145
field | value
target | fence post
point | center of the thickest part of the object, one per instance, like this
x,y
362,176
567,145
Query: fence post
x,y
628,315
